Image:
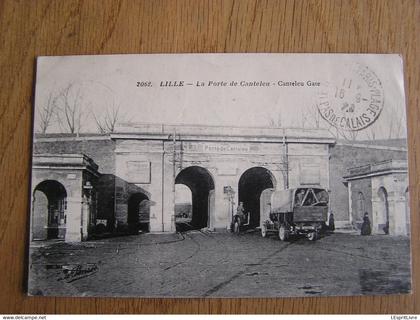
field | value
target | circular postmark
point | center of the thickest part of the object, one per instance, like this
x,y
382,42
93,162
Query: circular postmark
x,y
353,101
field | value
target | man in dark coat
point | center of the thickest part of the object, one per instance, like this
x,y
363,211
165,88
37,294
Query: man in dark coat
x,y
366,229
331,224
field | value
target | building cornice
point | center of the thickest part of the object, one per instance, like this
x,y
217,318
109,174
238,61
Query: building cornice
x,y
220,138
377,169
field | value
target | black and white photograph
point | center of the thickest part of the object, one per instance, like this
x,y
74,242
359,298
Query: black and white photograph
x,y
219,175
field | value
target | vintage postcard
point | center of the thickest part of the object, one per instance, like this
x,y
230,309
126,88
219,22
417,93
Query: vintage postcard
x,y
219,175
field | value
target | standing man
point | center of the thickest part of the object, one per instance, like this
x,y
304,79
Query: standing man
x,y
331,224
238,219
240,211
366,228
299,198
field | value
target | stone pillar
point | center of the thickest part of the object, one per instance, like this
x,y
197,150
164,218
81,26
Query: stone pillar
x,y
167,215
85,218
376,204
350,203
39,216
74,219
397,216
157,196
225,204
211,209
221,217
121,198
156,211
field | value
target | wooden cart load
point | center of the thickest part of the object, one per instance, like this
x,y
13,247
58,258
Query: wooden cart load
x,y
301,210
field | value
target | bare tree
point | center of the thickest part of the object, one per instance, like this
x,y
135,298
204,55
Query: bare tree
x,y
390,125
45,113
71,109
395,124
348,135
106,121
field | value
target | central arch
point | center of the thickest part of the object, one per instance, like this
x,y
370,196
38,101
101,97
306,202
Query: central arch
x,y
251,184
201,184
49,210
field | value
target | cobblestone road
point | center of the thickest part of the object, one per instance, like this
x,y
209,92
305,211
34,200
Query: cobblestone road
x,y
221,265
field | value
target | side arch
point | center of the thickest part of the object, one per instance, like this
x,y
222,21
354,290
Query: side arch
x,y
138,217
383,211
201,183
251,185
49,210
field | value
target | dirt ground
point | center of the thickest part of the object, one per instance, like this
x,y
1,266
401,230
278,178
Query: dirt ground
x,y
221,264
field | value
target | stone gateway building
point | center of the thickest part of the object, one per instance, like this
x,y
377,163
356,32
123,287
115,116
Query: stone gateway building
x,y
63,197
126,181
380,190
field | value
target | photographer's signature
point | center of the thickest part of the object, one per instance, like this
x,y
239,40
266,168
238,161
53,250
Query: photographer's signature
x,y
75,272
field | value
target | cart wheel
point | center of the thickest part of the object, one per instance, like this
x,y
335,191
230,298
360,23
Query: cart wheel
x,y
312,236
236,227
283,233
263,230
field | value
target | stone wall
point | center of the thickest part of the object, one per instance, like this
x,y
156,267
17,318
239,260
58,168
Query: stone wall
x,y
128,167
117,181
102,150
395,186
99,148
73,198
344,156
360,189
69,182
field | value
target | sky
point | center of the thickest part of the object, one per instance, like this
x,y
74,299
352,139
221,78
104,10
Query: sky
x,y
107,81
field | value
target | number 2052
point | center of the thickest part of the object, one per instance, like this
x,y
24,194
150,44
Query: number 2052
x,y
144,84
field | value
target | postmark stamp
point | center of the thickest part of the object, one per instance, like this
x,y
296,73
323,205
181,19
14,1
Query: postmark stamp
x,y
353,100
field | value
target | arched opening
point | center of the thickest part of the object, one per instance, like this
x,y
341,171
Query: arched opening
x,y
251,184
138,218
383,214
201,184
49,211
183,204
